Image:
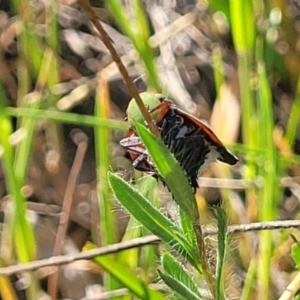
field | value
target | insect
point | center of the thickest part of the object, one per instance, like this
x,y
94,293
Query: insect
x,y
138,154
192,143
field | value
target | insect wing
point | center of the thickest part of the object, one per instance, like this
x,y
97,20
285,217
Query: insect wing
x,y
226,155
140,158
133,144
167,105
144,164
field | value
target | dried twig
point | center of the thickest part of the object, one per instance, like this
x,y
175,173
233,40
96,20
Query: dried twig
x,y
134,243
171,30
80,139
106,40
64,259
272,225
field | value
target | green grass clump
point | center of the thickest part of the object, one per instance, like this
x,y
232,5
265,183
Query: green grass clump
x,y
188,264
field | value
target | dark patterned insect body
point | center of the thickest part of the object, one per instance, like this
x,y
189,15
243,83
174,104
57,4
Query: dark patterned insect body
x,y
192,143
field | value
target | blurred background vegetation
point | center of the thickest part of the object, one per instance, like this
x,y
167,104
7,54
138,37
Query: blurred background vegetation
x,y
233,64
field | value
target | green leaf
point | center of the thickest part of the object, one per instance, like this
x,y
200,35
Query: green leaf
x,y
152,218
268,170
126,277
119,13
145,255
146,185
242,23
176,270
222,242
179,287
171,171
296,254
66,117
294,117
188,229
137,29
218,67
177,182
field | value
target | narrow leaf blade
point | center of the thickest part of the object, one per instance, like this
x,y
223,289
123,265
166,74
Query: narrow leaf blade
x,y
222,242
178,287
150,216
127,278
171,172
178,272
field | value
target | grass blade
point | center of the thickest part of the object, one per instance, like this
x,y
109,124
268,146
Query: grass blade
x,y
102,110
188,229
137,29
22,232
222,242
270,193
294,117
108,233
128,279
66,117
242,25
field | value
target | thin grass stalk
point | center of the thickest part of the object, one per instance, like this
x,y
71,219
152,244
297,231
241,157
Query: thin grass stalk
x,y
23,236
203,258
132,88
65,117
141,41
219,74
102,109
249,281
243,29
22,232
136,27
270,192
23,149
244,33
52,39
294,117
108,234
